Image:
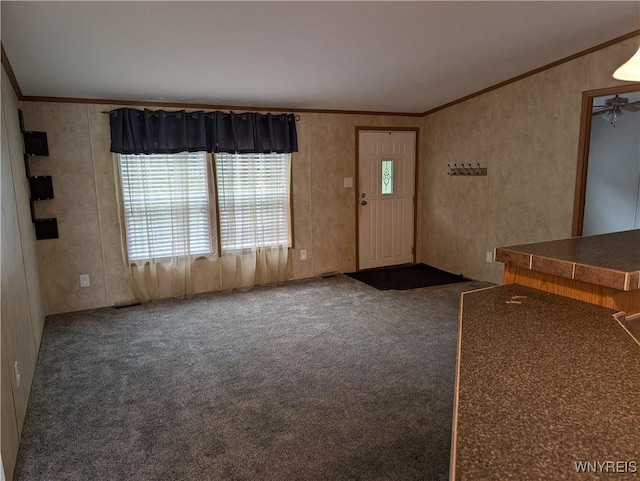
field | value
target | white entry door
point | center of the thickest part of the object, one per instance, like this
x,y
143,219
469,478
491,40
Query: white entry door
x,y
386,181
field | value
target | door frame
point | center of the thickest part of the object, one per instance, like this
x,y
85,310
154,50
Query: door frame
x,y
583,150
415,187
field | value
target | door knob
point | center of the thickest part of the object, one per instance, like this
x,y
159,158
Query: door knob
x,y
363,202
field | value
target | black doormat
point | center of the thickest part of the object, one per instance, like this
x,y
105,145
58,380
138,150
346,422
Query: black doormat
x,y
408,277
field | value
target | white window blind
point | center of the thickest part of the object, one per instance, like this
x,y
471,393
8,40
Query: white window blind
x,y
253,200
166,205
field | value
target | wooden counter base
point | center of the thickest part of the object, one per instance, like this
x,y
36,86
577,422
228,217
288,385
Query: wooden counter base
x,y
627,301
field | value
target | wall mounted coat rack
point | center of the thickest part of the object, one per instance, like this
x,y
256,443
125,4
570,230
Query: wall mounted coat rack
x,y
470,170
40,187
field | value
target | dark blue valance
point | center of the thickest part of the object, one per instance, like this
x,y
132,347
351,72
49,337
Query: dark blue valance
x,y
160,132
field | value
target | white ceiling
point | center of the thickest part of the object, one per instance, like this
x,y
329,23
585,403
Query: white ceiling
x,y
375,56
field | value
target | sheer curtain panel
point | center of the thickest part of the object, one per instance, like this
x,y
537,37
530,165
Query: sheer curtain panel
x,y
169,224
254,218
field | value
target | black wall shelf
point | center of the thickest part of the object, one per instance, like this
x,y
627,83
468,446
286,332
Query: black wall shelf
x,y
46,228
35,143
40,186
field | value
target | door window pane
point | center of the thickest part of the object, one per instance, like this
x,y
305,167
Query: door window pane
x,y
387,176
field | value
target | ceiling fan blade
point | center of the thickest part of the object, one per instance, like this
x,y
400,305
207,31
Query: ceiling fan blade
x,y
632,107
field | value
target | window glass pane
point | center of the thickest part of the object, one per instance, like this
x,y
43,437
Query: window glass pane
x,y
253,200
387,176
166,205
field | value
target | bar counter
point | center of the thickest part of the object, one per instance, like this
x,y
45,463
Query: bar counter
x,y
544,382
600,269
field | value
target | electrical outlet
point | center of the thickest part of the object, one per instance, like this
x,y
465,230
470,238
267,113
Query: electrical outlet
x,y
84,280
17,372
489,257
303,255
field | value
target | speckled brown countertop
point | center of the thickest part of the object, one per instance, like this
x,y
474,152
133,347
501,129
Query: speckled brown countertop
x,y
611,260
541,385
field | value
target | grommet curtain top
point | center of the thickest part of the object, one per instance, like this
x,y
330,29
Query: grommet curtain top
x,y
159,132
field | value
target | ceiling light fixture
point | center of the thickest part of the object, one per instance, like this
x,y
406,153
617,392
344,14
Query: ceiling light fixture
x,y
630,70
612,116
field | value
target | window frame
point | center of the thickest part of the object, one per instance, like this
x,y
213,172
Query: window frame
x,y
291,245
214,211
210,189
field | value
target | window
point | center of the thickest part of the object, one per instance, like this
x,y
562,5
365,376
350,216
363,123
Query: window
x,y
167,205
253,200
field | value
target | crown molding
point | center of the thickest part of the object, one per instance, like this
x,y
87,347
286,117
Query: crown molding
x,y
191,105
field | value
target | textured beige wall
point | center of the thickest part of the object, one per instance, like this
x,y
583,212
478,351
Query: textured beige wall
x,y
22,312
75,205
331,228
85,200
526,133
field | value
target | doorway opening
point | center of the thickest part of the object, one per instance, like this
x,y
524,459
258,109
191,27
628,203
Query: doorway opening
x,y
608,171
